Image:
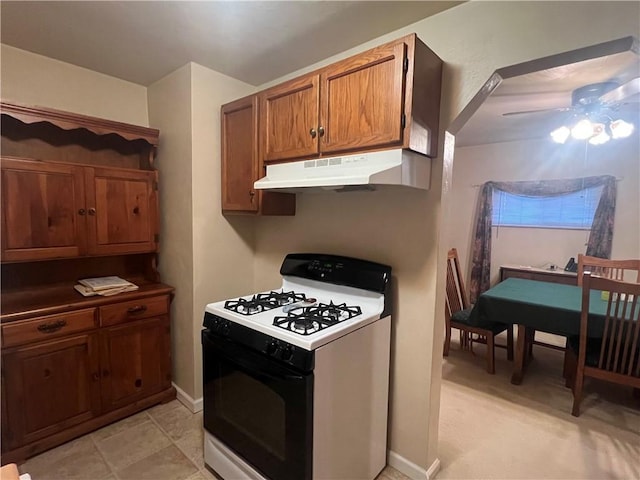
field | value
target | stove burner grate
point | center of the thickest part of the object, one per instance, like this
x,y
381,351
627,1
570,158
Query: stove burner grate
x,y
262,302
308,320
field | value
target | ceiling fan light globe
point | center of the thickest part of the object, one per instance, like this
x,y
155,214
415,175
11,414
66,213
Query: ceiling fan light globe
x,y
582,130
560,135
600,138
621,129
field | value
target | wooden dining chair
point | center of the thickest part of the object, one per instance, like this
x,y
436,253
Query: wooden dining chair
x,y
615,356
613,269
457,311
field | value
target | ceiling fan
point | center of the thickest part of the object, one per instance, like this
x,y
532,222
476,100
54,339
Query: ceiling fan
x,y
595,98
594,112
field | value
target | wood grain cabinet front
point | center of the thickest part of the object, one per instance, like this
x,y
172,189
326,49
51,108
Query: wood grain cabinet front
x,y
54,210
50,386
242,165
67,373
386,97
134,361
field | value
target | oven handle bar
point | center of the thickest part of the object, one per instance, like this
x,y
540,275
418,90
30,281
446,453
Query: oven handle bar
x,y
252,367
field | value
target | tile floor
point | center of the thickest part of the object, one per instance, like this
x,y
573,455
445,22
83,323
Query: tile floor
x,y
161,443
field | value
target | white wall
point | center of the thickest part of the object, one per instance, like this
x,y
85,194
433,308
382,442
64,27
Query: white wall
x,y
32,79
544,160
206,256
222,246
170,111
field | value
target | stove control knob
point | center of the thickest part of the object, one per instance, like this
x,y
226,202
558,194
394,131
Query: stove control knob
x,y
287,353
272,347
225,328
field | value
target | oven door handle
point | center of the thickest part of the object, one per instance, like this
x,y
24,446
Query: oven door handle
x,y
254,368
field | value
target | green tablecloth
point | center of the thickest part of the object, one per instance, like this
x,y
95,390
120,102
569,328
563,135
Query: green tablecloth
x,y
544,306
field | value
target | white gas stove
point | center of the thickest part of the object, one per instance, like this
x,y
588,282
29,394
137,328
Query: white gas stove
x,y
296,379
303,312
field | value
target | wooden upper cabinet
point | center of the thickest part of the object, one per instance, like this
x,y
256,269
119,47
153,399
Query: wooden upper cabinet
x,y
362,100
242,164
289,119
121,210
74,185
240,155
385,97
42,210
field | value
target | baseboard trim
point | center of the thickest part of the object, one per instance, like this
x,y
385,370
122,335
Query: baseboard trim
x,y
410,469
195,405
433,469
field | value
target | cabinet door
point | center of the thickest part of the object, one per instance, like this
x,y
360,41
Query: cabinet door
x,y
121,210
42,210
50,386
240,155
136,362
289,119
362,100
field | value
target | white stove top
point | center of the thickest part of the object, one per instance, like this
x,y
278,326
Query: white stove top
x,y
371,305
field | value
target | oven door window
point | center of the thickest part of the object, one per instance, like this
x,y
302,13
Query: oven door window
x,y
259,408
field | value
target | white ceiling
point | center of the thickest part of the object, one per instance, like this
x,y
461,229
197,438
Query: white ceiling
x,y
253,41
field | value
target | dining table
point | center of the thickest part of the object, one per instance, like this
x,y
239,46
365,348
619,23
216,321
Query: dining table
x,y
537,306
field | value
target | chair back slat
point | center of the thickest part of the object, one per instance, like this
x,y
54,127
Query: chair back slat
x,y
612,269
456,295
619,345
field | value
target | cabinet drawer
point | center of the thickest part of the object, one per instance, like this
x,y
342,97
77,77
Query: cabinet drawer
x,y
50,326
133,310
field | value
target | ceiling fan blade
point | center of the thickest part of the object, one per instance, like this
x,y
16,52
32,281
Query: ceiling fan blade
x,y
627,91
523,112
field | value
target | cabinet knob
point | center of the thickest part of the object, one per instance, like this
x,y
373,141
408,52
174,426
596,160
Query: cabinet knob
x,y
252,195
312,132
138,382
136,210
95,376
92,211
321,131
82,211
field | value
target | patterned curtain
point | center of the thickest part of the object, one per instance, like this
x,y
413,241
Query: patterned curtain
x,y
600,238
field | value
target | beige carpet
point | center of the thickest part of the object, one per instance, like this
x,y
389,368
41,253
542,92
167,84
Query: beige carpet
x,y
490,428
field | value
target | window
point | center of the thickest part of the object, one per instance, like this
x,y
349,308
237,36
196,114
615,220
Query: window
x,y
572,210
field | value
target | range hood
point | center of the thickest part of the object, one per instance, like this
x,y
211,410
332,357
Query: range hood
x,y
363,171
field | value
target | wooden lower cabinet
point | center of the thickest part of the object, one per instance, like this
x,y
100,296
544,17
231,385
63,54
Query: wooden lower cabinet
x,y
134,361
57,386
50,386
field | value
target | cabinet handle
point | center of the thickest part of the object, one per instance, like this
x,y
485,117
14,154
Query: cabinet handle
x,y
252,195
138,382
312,132
136,309
52,327
321,131
92,211
82,211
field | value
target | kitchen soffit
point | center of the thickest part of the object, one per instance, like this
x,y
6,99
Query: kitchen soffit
x,y
252,41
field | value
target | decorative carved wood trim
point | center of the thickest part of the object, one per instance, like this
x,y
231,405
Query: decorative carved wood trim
x,y
72,121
